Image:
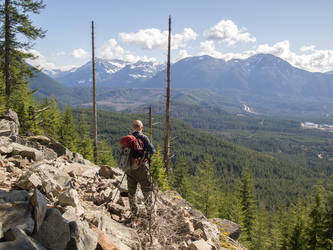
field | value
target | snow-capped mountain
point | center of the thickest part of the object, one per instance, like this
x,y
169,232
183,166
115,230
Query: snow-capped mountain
x,y
264,82
263,75
108,73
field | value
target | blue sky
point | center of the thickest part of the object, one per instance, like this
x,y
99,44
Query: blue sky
x,y
298,31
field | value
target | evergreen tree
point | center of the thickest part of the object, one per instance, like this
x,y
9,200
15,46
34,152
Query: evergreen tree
x,y
227,206
2,94
315,227
206,194
16,22
274,231
259,232
284,225
24,109
181,180
105,155
236,213
49,118
157,170
178,175
246,196
296,236
328,218
187,188
85,143
67,131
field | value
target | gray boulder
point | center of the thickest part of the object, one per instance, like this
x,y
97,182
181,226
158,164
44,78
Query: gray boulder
x,y
5,145
60,149
24,151
68,198
230,228
199,245
3,174
9,121
43,140
82,237
54,232
29,181
39,204
16,238
14,196
120,234
53,180
17,215
210,231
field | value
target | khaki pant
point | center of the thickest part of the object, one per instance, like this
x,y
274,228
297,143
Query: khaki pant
x,y
141,176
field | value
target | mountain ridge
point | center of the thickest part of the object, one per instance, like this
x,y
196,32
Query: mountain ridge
x,y
261,72
264,82
107,72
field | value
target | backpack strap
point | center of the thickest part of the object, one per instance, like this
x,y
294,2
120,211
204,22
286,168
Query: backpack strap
x,y
144,148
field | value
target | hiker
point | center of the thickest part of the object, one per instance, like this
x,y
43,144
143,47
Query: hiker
x,y
140,175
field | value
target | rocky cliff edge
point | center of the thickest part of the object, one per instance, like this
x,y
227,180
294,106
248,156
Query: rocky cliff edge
x,y
52,198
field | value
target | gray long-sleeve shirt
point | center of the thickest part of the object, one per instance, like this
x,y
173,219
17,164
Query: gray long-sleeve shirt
x,y
148,146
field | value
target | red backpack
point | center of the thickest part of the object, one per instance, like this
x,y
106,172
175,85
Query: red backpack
x,y
131,153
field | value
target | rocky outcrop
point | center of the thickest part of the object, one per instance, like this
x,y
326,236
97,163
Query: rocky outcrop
x,y
51,198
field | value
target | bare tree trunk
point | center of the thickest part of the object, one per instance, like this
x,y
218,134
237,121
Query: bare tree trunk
x,y
150,125
7,50
94,97
167,110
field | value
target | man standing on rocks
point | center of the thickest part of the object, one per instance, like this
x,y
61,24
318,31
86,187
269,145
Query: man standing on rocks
x,y
140,175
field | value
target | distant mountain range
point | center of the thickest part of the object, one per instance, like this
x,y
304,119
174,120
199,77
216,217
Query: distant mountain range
x,y
264,82
263,73
109,73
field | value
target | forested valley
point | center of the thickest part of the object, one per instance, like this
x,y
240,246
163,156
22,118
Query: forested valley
x,y
273,183
269,175
281,199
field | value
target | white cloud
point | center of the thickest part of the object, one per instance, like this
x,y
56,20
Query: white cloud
x,y
150,39
181,55
307,48
146,39
318,60
178,40
80,53
208,48
42,62
281,49
308,58
111,50
227,31
313,61
244,55
59,54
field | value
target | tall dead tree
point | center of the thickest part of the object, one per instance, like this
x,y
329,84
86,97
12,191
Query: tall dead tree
x,y
167,110
7,49
94,96
150,125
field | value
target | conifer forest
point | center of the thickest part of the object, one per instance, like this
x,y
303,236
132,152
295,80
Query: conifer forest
x,y
269,175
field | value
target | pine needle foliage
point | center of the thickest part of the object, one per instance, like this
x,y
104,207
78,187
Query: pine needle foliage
x,y
157,170
181,180
13,51
206,189
105,154
67,131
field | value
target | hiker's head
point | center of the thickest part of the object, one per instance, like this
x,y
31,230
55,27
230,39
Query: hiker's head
x,y
137,125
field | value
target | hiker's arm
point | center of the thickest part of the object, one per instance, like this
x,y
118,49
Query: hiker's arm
x,y
150,147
